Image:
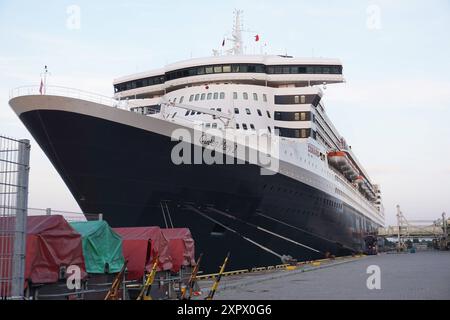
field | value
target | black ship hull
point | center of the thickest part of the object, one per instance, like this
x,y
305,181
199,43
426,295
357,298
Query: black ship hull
x,y
125,173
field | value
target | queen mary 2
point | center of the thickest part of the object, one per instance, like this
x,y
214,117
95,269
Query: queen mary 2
x,y
238,148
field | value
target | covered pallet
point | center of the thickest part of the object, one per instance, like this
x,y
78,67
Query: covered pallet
x,y
140,247
102,247
181,247
52,246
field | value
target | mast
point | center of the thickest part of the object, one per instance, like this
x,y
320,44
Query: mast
x,y
236,36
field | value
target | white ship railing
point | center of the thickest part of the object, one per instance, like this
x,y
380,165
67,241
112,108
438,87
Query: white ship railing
x,y
71,93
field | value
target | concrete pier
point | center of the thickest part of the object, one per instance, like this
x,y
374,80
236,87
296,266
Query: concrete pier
x,y
405,276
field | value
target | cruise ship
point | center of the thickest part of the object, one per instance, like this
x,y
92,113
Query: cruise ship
x,y
236,147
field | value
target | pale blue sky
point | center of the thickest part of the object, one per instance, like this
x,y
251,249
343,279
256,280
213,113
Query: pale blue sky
x,y
394,108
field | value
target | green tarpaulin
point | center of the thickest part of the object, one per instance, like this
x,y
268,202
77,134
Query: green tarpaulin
x,y
102,247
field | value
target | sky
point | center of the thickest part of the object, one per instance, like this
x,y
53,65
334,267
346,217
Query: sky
x,y
393,109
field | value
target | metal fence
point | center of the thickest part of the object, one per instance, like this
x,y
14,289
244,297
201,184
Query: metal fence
x,y
14,170
70,216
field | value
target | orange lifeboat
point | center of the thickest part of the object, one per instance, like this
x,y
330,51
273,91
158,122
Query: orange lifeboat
x,y
342,163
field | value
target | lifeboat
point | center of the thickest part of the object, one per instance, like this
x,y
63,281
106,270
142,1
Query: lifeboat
x,y
359,180
342,163
366,188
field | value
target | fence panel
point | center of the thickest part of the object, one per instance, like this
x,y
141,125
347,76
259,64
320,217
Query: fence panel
x,y
14,171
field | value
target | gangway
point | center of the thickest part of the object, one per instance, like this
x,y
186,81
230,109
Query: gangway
x,y
414,229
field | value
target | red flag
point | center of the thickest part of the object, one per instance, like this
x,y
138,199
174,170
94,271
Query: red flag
x,y
223,42
257,37
41,87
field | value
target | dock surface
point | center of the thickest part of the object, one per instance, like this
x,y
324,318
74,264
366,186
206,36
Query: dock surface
x,y
404,276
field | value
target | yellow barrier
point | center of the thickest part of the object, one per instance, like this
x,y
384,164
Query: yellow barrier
x,y
290,268
225,274
314,263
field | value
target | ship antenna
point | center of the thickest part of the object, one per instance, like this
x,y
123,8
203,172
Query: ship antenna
x,y
236,36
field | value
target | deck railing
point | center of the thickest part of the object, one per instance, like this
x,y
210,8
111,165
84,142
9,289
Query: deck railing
x,y
71,93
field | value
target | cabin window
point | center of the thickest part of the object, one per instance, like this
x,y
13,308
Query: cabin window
x,y
175,100
208,70
264,97
216,95
187,113
270,130
236,110
222,95
303,99
237,125
191,97
235,95
255,96
252,126
219,109
192,113
214,125
247,111
244,126
181,99
209,96
202,97
303,133
218,69
259,112
245,94
197,96
227,68
208,125
200,70
268,114
174,115
303,116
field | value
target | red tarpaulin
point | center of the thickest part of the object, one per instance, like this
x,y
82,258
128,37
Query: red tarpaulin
x,y
51,244
181,247
140,246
